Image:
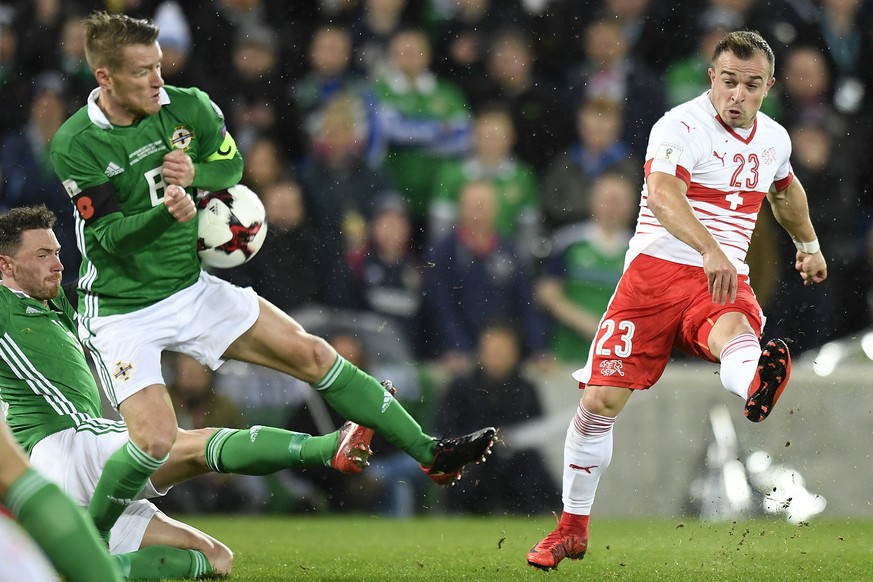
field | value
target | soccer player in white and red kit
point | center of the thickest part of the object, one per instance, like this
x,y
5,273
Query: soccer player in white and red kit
x,y
710,163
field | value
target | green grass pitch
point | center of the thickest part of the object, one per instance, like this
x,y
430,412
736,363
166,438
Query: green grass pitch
x,y
449,549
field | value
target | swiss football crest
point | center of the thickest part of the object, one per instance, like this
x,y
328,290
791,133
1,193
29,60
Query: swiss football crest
x,y
611,367
182,138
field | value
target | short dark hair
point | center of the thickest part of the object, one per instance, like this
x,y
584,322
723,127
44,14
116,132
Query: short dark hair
x,y
744,44
107,34
17,220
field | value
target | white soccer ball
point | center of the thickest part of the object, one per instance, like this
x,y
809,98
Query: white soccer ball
x,y
231,225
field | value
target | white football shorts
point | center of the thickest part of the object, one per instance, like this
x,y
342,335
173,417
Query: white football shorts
x,y
74,459
200,321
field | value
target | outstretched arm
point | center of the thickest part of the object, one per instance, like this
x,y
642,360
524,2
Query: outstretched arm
x,y
791,210
668,202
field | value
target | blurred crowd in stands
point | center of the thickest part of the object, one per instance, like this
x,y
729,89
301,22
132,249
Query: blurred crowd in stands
x,y
465,173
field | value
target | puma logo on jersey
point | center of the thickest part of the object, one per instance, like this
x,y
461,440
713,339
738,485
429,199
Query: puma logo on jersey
x,y
586,469
720,157
687,127
113,169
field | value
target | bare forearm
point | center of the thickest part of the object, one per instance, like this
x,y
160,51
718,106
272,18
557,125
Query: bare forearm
x,y
791,210
552,297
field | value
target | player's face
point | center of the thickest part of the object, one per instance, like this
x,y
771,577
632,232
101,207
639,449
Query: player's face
x,y
739,87
36,268
134,89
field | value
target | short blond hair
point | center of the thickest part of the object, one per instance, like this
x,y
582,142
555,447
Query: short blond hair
x,y
107,34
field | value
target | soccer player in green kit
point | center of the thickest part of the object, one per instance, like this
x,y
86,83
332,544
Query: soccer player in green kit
x,y
130,161
54,411
59,527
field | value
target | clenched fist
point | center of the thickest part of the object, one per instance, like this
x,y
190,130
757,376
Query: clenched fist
x,y
179,203
178,169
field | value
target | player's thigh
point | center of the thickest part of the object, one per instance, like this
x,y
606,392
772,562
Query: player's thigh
x,y
151,420
277,341
166,531
702,317
75,458
636,334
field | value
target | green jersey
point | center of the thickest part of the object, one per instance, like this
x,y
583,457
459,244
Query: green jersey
x,y
423,124
518,195
134,253
44,377
589,274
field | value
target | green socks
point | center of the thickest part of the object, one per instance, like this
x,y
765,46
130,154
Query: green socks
x,y
162,563
262,450
125,474
360,398
61,529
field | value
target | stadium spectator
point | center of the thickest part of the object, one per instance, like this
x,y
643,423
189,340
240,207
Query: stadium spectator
x,y
268,164
138,234
423,119
685,283
175,39
26,175
477,276
842,32
585,264
461,39
519,483
809,316
803,91
566,191
685,76
492,160
373,27
537,111
254,93
330,77
643,25
214,25
386,273
608,71
289,271
339,187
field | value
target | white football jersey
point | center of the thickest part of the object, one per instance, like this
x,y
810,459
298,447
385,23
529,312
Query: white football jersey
x,y
728,173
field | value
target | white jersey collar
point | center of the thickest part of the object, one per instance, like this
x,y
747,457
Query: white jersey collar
x,y
99,118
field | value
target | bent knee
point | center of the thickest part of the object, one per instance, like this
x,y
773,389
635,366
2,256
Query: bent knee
x,y
221,558
155,444
605,400
316,357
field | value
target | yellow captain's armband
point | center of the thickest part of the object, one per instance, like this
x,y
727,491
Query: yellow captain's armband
x,y
226,150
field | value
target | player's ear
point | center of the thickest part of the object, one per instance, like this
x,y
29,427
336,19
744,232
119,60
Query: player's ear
x,y
102,76
5,266
769,85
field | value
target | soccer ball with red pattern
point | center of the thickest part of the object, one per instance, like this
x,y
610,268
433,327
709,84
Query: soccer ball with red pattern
x,y
231,225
